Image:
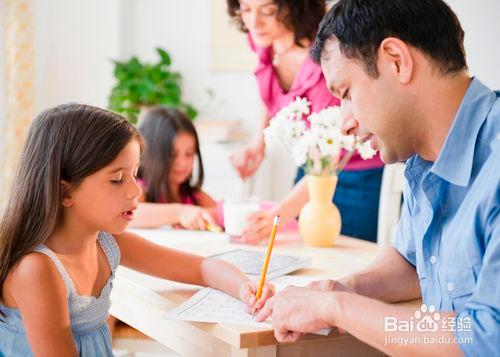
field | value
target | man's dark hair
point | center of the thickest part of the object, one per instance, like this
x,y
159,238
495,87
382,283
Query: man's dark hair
x,y
361,25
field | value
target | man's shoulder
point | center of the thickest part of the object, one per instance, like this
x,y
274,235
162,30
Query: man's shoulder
x,y
486,187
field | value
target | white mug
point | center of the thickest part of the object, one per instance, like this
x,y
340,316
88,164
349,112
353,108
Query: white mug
x,y
236,212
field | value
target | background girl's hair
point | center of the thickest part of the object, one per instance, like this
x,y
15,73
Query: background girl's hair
x,y
68,142
159,127
300,16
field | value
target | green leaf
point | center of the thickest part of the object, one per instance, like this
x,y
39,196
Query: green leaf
x,y
164,56
190,111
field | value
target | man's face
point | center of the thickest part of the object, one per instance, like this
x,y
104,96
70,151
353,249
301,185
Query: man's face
x,y
371,107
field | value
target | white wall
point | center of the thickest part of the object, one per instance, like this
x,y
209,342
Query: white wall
x,y
76,40
2,82
74,44
481,23
183,29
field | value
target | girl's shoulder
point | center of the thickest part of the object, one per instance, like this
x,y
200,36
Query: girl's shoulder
x,y
37,274
111,249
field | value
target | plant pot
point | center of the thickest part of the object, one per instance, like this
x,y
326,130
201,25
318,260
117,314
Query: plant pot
x,y
319,220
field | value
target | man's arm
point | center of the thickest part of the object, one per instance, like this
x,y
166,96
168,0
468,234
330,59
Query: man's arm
x,y
386,327
383,326
390,278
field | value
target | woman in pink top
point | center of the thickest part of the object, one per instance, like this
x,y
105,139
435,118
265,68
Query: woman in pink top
x,y
280,32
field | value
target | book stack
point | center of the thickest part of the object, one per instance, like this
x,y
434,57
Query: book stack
x,y
217,130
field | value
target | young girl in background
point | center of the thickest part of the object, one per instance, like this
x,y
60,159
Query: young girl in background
x,y
63,235
169,194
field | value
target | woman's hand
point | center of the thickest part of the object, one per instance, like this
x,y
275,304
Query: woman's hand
x,y
194,218
247,293
248,159
258,228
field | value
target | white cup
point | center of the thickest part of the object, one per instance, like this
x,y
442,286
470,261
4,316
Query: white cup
x,y
236,212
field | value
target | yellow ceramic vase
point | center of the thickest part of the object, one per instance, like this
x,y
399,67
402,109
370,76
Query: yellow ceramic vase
x,y
319,220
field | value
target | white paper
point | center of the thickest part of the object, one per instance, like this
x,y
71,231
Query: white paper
x,y
251,262
210,305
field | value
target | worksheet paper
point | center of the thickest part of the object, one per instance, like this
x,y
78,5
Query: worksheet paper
x,y
210,305
251,262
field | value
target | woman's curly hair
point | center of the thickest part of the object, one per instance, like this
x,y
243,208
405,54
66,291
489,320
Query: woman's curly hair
x,y
303,16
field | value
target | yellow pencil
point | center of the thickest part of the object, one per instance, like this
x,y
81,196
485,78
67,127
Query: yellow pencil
x,y
266,261
213,228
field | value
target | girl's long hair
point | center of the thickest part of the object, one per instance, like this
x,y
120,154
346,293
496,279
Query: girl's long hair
x,y
68,142
159,127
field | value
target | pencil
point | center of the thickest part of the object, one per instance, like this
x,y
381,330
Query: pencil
x,y
266,261
213,228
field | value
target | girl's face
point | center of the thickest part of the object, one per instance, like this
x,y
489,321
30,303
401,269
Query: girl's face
x,y
261,19
106,199
183,154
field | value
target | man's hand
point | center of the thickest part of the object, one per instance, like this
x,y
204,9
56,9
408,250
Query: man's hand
x,y
297,310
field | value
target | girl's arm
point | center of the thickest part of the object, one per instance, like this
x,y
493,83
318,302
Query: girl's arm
x,y
151,215
139,254
209,204
36,288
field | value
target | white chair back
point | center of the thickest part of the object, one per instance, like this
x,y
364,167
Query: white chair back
x,y
389,208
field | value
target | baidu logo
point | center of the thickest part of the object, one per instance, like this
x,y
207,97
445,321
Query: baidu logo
x,y
424,320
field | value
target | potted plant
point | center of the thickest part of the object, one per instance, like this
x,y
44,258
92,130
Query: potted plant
x,y
142,85
315,141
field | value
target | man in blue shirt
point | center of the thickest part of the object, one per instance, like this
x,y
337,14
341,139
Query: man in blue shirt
x,y
399,68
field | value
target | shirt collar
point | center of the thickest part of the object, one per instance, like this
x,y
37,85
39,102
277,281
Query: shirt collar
x,y
454,162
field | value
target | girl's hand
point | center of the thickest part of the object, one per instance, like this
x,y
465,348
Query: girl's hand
x,y
195,218
258,228
248,290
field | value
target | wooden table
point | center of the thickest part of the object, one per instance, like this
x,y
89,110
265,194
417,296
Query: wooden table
x,y
141,300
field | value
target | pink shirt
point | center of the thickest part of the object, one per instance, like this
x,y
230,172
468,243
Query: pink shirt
x,y
308,83
185,199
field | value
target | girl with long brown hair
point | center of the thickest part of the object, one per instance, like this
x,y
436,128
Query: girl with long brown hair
x,y
63,235
171,196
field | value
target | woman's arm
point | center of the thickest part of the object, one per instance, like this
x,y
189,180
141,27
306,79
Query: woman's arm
x,y
36,288
247,160
259,224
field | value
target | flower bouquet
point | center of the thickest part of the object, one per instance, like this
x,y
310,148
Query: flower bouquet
x,y
316,142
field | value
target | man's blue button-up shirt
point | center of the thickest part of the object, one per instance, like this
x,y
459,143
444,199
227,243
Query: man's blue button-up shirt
x,y
450,224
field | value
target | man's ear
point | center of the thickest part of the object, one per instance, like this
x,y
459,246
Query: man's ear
x,y
397,56
67,201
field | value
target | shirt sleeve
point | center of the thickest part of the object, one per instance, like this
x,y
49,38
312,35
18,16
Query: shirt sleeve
x,y
405,242
482,310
